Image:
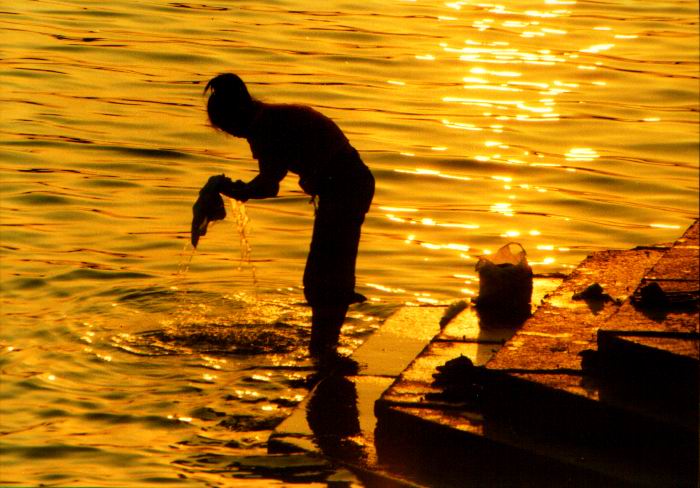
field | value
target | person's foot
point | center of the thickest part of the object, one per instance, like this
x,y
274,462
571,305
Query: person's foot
x,y
357,298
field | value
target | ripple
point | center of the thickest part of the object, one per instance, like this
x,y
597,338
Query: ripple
x,y
53,451
98,274
243,339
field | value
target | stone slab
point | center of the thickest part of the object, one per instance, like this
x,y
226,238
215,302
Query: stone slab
x,y
680,263
691,237
400,339
629,318
560,330
416,383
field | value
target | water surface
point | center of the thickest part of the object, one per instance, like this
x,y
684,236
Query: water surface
x,y
567,126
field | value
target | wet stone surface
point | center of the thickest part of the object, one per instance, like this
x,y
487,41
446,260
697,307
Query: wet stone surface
x,y
402,337
416,384
629,318
676,346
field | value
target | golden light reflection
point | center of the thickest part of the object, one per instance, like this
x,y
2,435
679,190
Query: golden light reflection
x,y
424,299
432,172
398,209
503,209
180,418
469,279
492,54
598,48
507,179
450,246
581,154
484,71
429,222
664,226
386,289
461,126
510,81
455,5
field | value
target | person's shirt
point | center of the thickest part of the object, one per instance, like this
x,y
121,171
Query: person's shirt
x,y
299,139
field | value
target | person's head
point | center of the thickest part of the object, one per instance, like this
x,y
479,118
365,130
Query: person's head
x,y
230,107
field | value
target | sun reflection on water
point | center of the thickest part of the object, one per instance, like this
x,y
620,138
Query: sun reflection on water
x,y
518,65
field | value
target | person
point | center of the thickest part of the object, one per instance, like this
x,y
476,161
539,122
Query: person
x,y
287,138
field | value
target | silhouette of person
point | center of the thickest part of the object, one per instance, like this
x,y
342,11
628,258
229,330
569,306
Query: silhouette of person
x,y
298,139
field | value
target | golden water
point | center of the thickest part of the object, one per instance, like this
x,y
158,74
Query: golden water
x,y
567,126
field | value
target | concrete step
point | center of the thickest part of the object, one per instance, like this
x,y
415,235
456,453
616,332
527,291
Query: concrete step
x,y
533,415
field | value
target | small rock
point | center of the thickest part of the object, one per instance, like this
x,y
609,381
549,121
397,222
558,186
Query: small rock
x,y
594,293
653,296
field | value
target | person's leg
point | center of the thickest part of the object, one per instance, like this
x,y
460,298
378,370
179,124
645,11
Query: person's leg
x,y
329,282
326,322
329,277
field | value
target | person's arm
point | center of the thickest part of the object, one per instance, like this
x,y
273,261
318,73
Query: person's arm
x,y
265,185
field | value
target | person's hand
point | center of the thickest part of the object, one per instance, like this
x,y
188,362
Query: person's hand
x,y
238,190
215,184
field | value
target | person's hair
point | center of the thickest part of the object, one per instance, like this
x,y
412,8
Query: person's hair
x,y
229,105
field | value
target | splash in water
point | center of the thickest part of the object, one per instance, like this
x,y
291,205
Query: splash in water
x,y
242,227
206,323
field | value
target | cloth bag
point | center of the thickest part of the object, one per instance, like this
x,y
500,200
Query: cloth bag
x,y
505,284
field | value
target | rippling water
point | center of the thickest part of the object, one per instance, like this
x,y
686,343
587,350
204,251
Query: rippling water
x,y
567,126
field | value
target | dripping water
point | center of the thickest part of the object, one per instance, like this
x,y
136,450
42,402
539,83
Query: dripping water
x,y
185,259
243,228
